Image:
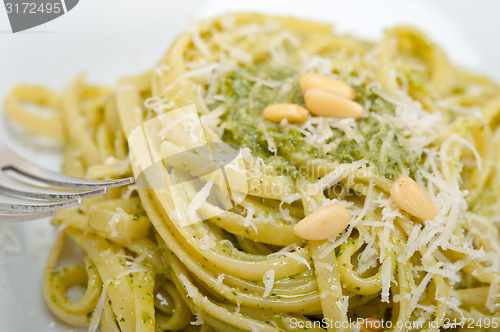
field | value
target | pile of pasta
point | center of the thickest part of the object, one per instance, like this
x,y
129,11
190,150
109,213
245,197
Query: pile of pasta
x,y
245,269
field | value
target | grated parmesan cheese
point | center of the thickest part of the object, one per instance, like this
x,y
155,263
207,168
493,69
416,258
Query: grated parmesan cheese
x,y
207,243
249,218
220,278
286,251
268,281
386,278
199,198
99,307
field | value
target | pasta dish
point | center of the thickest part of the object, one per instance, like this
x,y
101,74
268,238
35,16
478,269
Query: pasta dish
x,y
359,189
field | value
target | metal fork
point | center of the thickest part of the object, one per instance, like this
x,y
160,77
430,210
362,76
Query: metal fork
x,y
30,192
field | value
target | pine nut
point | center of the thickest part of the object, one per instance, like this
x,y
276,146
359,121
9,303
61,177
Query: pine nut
x,y
412,198
323,223
291,112
370,325
327,84
323,103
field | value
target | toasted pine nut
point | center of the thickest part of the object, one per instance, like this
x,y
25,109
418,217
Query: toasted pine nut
x,y
315,81
327,104
323,223
371,325
412,198
291,112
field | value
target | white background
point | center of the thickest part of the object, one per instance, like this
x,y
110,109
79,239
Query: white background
x,y
109,38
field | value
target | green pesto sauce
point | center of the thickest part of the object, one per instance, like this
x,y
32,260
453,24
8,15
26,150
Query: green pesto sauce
x,y
245,126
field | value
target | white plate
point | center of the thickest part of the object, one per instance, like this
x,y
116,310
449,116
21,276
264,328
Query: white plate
x,y
109,38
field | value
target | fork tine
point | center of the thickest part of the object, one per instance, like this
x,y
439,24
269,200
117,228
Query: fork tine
x,y
12,187
60,180
12,217
13,204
